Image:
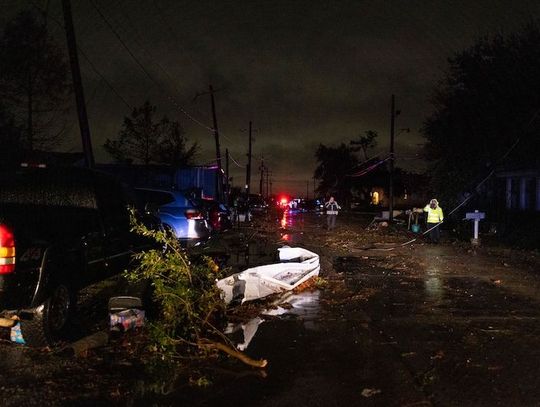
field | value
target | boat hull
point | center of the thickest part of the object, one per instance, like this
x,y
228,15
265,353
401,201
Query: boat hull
x,y
299,265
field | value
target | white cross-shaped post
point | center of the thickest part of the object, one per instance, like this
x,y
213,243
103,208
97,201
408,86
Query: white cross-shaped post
x,y
476,217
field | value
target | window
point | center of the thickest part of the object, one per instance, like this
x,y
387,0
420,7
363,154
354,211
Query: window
x,y
530,194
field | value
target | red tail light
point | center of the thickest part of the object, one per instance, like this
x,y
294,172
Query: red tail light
x,y
7,250
193,214
214,219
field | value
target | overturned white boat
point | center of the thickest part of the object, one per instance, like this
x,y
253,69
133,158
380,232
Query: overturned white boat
x,y
297,266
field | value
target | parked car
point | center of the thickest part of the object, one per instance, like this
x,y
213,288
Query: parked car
x,y
179,214
60,230
218,215
316,205
257,204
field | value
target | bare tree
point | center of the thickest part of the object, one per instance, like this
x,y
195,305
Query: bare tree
x,y
33,81
365,142
10,140
146,141
334,166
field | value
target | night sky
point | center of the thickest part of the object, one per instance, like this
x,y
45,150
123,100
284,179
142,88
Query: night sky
x,y
305,72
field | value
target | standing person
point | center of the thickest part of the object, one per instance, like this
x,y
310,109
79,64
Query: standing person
x,y
332,208
434,217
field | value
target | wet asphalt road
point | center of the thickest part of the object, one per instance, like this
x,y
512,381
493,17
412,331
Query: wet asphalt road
x,y
423,325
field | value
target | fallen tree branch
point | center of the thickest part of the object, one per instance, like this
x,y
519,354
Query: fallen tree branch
x,y
93,341
207,344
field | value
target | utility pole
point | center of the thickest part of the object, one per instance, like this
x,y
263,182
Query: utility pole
x,y
391,186
219,185
216,131
261,168
267,182
77,85
248,168
227,187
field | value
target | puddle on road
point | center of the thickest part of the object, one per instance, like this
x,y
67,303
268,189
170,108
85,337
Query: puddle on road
x,y
433,291
304,306
290,226
292,220
276,334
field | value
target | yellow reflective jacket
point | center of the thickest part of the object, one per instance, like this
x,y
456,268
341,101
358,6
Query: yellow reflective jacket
x,y
434,215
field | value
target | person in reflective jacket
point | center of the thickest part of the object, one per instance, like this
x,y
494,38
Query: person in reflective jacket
x,y
434,218
332,208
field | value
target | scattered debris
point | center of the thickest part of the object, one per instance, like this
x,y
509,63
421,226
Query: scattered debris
x,y
370,392
438,355
81,347
125,313
16,334
126,320
262,363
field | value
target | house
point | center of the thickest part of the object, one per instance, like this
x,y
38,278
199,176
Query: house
x,y
370,188
521,189
512,204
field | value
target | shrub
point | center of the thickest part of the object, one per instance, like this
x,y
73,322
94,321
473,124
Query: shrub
x,y
183,291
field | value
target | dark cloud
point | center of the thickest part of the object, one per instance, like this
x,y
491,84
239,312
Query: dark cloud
x,y
305,72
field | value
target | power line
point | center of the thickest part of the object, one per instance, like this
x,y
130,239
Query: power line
x,y
109,85
212,98
146,72
87,59
236,162
141,66
139,42
371,167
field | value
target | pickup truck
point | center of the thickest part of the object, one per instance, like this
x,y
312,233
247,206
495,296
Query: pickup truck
x,y
61,229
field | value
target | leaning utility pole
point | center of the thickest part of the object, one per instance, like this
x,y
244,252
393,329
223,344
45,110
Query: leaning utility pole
x,y
77,85
248,168
391,186
216,131
219,185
